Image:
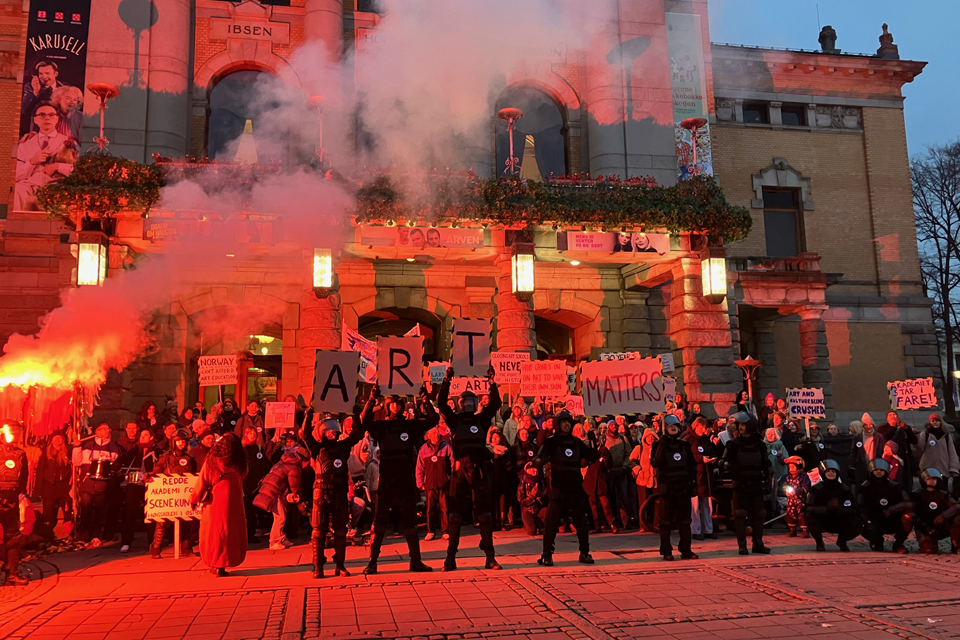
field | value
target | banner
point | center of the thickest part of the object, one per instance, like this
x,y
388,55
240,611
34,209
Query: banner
x,y
688,82
669,389
350,340
280,415
168,497
217,370
420,238
547,378
399,363
918,393
630,355
621,386
470,352
435,372
806,403
658,243
575,405
335,377
51,105
479,386
507,365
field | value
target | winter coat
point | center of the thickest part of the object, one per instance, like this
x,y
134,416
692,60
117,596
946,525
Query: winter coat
x,y
223,525
283,478
702,447
434,466
863,445
251,422
777,453
937,453
53,478
173,464
646,477
906,439
595,476
257,467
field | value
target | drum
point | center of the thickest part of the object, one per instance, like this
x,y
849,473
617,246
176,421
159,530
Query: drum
x,y
136,477
99,470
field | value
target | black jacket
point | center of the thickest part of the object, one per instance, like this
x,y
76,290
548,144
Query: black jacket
x,y
746,460
566,455
399,441
469,430
675,465
830,498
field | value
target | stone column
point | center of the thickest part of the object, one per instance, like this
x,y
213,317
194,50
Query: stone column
x,y
319,329
515,320
323,22
815,356
701,331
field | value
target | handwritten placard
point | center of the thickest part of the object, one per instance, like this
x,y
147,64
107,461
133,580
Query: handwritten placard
x,y
168,498
806,403
217,370
507,365
280,415
546,378
917,393
621,386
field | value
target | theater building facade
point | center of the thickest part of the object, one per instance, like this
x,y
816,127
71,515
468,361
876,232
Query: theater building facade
x,y
825,291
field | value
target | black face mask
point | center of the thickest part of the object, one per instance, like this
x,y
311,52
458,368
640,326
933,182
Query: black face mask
x,y
936,432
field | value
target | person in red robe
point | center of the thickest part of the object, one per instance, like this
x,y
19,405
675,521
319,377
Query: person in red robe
x,y
223,525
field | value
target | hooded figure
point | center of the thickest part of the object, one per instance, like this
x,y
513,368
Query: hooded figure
x,y
567,455
935,515
882,504
471,467
831,507
935,448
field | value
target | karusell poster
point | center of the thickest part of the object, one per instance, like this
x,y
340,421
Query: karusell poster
x,y
51,107
617,242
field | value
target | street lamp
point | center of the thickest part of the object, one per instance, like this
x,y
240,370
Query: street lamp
x,y
749,365
322,272
693,126
510,115
104,92
521,267
92,258
713,273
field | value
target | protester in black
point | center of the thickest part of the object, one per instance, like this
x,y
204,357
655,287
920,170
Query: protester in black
x,y
882,504
566,454
471,467
677,482
135,465
330,502
935,515
399,438
831,508
746,460
13,482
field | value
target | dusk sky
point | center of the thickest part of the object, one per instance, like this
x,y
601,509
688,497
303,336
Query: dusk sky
x,y
924,30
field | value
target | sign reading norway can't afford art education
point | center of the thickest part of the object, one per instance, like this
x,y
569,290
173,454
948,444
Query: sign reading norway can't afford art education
x,y
918,393
806,403
217,370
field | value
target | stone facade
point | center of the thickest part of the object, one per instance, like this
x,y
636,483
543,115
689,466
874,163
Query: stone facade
x,y
846,313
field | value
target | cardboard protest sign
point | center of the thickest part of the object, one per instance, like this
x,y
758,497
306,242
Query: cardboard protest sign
x,y
547,378
806,403
217,370
479,386
436,372
918,393
335,381
168,498
666,359
669,389
350,340
398,365
280,415
470,355
571,379
629,355
621,386
575,405
507,365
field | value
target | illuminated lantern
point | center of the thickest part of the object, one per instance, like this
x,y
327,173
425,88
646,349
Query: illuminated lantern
x,y
92,258
322,272
522,271
713,267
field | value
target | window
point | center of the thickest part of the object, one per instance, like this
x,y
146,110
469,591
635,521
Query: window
x,y
539,141
783,222
793,115
755,113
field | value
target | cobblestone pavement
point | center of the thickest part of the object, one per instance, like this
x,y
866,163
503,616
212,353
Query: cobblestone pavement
x,y
630,593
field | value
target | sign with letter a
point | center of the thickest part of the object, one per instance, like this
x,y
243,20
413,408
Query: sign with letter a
x,y
471,347
399,365
335,381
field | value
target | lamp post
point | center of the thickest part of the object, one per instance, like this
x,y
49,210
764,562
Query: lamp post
x,y
693,126
713,274
521,269
510,115
322,272
104,92
749,366
317,103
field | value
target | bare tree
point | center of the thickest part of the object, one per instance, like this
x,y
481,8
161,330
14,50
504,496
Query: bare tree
x,y
936,205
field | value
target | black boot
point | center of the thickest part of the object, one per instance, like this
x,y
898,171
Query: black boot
x,y
842,544
371,568
450,564
492,564
417,566
819,540
585,558
759,548
546,560
743,547
341,571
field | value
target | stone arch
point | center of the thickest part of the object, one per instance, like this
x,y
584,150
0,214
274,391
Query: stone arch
x,y
405,298
581,316
255,55
781,174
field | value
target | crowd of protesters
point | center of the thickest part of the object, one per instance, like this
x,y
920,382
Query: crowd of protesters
x,y
433,463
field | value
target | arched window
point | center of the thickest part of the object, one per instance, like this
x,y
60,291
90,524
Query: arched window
x,y
244,118
539,140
